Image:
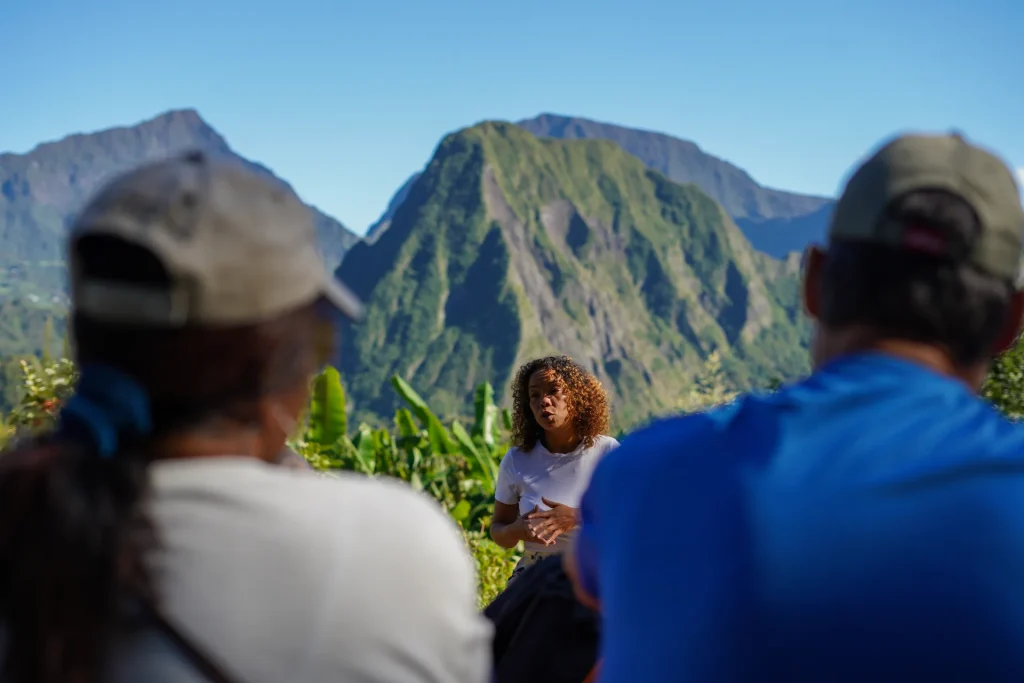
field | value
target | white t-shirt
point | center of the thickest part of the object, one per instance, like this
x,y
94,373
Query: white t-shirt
x,y
525,478
284,575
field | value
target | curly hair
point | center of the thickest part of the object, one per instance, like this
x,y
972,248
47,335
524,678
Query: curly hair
x,y
586,398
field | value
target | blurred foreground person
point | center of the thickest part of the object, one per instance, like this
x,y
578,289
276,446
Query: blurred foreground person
x,y
865,524
153,537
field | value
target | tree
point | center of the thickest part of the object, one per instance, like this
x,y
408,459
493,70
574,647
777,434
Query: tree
x,y
710,388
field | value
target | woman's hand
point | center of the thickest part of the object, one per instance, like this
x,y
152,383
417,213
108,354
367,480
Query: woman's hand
x,y
508,527
550,524
524,531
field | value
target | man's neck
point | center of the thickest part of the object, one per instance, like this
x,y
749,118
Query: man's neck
x,y
929,356
209,442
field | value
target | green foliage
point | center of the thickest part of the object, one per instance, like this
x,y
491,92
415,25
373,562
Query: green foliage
x,y
44,188
30,326
456,466
45,384
494,565
684,162
1004,386
327,419
710,388
508,247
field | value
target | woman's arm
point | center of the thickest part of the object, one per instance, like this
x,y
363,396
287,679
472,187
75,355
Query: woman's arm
x,y
507,527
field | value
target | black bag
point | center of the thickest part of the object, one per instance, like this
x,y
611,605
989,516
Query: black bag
x,y
542,634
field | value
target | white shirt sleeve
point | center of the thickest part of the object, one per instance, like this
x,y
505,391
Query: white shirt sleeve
x,y
507,488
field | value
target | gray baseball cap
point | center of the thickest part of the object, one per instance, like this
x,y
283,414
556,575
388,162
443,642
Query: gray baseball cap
x,y
239,248
935,162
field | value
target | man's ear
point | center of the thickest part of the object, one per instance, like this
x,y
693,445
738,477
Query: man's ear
x,y
814,263
1014,322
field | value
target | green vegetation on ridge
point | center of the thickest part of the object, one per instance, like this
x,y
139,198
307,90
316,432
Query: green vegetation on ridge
x,y
40,191
774,221
509,246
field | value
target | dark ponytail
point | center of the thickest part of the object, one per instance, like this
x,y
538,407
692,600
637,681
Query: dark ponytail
x,y
73,535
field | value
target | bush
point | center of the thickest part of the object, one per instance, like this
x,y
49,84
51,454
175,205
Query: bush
x,y
710,388
45,385
1004,386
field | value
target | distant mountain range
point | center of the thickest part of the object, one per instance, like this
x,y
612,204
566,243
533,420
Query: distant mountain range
x,y
509,246
40,191
630,250
384,222
775,222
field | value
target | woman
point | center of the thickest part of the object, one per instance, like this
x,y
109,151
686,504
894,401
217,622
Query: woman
x,y
560,414
152,536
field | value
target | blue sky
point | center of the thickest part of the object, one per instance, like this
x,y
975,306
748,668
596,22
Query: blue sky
x,y
345,99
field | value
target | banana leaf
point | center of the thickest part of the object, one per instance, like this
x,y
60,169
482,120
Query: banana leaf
x,y
440,440
328,422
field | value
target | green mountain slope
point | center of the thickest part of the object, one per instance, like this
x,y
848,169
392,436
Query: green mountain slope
x,y
509,246
776,222
41,190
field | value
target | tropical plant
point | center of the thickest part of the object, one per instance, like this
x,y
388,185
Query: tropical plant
x,y
46,384
494,565
710,388
1004,386
456,466
6,431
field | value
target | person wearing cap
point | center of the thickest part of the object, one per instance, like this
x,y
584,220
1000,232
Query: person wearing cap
x,y
864,524
152,536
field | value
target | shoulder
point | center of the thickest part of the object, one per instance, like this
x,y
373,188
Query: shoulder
x,y
347,544
671,433
605,443
665,444
401,532
308,502
390,502
512,457
411,574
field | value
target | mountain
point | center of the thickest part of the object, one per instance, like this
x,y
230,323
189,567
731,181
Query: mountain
x,y
774,221
384,222
40,191
510,246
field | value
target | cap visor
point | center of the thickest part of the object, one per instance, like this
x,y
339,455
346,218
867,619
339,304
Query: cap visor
x,y
343,299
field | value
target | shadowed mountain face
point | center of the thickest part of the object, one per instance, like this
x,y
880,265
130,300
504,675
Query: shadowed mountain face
x,y
42,190
384,222
774,221
509,246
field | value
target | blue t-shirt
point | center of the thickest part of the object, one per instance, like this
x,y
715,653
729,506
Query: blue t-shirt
x,y
866,524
